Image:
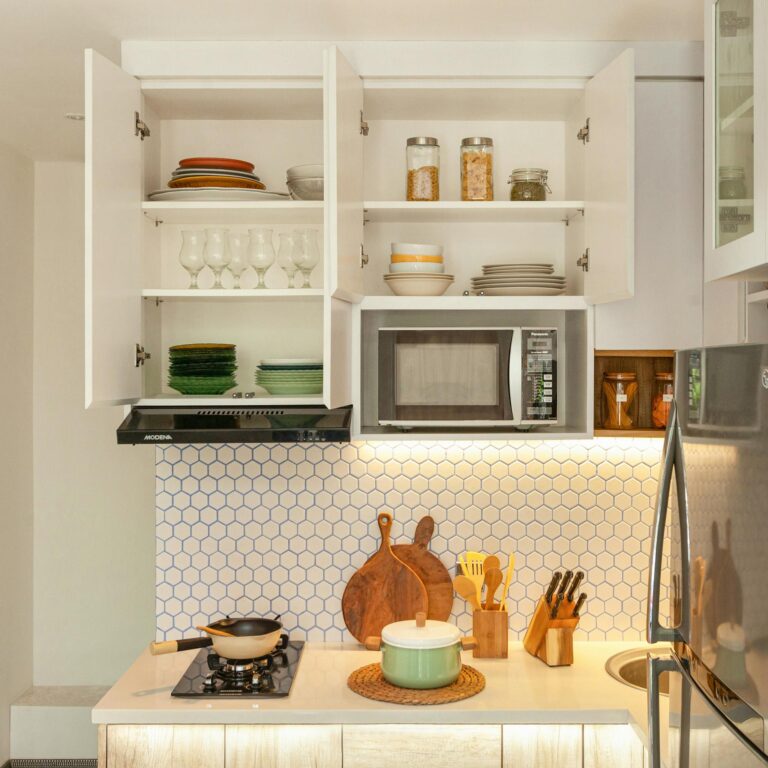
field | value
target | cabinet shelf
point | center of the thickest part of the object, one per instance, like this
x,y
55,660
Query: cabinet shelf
x,y
659,433
176,400
235,212
747,202
473,302
495,211
758,297
229,294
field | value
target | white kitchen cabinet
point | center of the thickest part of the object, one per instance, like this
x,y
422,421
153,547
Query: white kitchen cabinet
x,y
736,184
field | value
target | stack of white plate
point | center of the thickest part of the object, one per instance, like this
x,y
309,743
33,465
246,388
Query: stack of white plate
x,y
535,279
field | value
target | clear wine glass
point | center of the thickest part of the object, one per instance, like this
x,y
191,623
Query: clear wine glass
x,y
191,253
238,263
306,252
261,253
285,256
217,255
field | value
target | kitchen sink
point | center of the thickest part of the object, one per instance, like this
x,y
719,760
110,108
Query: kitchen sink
x,y
628,667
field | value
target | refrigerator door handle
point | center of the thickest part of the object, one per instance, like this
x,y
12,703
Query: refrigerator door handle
x,y
654,667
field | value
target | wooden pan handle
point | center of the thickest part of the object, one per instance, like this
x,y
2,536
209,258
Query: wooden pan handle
x,y
166,646
468,643
373,643
385,526
172,646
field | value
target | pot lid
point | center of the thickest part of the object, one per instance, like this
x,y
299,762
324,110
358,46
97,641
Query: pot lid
x,y
420,633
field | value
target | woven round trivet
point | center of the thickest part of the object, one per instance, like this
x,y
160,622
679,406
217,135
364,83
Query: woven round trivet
x,y
369,681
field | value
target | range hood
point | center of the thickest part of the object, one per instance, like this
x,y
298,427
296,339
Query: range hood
x,y
225,424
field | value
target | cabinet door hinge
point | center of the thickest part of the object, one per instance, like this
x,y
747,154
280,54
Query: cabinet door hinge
x,y
363,124
141,355
363,256
583,261
583,134
140,127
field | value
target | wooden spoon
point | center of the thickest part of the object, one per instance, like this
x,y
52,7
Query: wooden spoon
x,y
466,588
217,632
493,577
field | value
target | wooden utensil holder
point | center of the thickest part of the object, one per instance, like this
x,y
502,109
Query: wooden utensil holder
x,y
551,640
491,631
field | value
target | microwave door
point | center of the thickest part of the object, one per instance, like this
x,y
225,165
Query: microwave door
x,y
515,384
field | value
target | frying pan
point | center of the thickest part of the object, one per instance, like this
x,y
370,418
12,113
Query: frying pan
x,y
251,638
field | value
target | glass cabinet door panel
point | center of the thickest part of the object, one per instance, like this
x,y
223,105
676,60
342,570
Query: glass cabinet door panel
x,y
735,119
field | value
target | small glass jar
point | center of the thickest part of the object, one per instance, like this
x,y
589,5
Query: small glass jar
x,y
528,184
620,400
422,157
663,394
732,185
477,168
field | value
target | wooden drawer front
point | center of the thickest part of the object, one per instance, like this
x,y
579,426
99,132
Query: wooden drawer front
x,y
165,746
612,746
283,746
542,746
430,746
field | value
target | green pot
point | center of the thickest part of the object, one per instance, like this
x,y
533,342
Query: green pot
x,y
420,654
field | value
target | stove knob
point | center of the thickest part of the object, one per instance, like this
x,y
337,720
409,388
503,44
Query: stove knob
x,y
266,683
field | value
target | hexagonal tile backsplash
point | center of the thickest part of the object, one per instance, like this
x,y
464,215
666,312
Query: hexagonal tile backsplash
x,y
263,529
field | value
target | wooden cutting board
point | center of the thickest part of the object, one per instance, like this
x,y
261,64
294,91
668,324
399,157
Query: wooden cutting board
x,y
433,574
384,590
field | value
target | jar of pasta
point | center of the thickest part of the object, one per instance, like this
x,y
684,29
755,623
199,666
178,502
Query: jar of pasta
x,y
620,401
422,156
663,394
477,168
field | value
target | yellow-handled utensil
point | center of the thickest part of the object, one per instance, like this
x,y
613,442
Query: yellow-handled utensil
x,y
466,588
476,572
507,582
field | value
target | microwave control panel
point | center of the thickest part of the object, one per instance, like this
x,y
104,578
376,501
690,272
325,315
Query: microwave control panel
x,y
539,364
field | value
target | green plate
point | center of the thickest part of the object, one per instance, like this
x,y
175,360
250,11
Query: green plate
x,y
294,389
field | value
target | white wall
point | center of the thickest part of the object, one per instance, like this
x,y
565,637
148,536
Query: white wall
x,y
16,251
94,500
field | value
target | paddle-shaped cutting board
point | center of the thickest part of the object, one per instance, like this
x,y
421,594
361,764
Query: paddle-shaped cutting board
x,y
433,574
384,590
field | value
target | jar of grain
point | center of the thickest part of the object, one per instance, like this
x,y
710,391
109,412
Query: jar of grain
x,y
663,394
422,157
620,401
529,184
477,168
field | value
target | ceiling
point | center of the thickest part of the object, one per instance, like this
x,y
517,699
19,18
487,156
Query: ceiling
x,y
41,41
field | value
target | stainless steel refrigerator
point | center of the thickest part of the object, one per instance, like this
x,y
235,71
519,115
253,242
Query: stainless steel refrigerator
x,y
712,510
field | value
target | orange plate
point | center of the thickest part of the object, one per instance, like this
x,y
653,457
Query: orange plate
x,y
215,181
228,163
401,258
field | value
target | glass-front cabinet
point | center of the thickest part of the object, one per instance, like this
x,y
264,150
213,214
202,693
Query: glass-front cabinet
x,y
736,200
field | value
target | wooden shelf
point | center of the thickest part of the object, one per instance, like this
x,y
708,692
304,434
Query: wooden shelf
x,y
630,433
230,294
235,212
473,302
496,211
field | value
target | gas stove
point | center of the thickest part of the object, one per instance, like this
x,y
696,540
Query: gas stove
x,y
268,677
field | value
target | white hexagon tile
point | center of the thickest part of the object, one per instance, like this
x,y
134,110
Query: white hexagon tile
x,y
279,529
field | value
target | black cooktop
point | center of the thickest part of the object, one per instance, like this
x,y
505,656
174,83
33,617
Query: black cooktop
x,y
269,677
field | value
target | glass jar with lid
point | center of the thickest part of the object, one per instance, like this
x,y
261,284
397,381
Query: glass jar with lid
x,y
663,394
620,400
422,157
528,184
477,168
732,184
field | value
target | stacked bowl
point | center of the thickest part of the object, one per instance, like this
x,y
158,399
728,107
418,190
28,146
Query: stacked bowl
x,y
291,376
417,269
305,182
202,369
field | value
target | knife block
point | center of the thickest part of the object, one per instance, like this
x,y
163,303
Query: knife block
x,y
551,640
491,631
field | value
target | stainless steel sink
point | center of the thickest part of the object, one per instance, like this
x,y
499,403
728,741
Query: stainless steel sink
x,y
628,667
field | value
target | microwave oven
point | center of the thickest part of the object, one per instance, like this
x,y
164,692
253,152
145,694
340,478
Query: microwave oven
x,y
467,377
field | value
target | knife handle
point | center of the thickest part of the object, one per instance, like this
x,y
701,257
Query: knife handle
x,y
556,606
552,587
575,585
579,604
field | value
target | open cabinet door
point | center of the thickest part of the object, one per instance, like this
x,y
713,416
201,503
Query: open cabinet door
x,y
342,114
337,352
609,204
113,190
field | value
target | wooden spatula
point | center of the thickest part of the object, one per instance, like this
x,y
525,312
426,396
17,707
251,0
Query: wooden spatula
x,y
466,588
493,577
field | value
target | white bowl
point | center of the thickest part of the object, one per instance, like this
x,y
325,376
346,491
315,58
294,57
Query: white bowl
x,y
418,285
417,266
305,189
311,171
417,249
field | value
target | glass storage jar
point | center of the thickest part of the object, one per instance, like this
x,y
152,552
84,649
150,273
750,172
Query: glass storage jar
x,y
620,401
528,184
663,394
477,168
422,157
732,185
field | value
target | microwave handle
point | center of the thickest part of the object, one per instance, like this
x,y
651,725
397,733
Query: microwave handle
x,y
516,374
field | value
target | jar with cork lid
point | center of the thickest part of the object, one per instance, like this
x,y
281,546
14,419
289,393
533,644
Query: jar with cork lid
x,y
620,401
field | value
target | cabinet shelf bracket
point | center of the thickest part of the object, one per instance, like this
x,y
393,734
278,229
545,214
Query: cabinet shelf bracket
x,y
157,222
567,219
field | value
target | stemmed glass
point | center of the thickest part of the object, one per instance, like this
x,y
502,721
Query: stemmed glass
x,y
217,255
285,256
306,252
261,253
238,248
191,254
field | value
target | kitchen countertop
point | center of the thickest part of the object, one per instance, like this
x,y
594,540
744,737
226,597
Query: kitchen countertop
x,y
520,689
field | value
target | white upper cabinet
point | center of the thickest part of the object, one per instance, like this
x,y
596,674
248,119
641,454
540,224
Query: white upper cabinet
x,y
343,108
113,189
736,112
609,199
